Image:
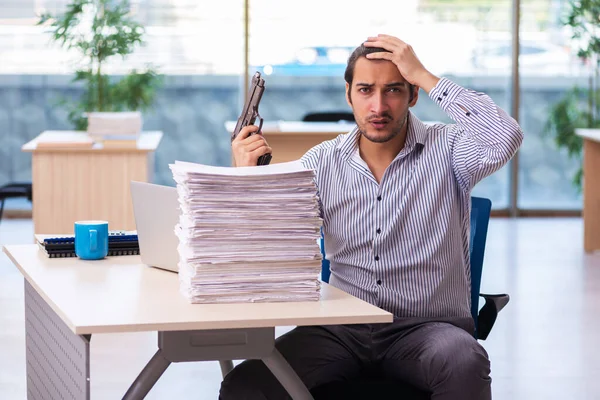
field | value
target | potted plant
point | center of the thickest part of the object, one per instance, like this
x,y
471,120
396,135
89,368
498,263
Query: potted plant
x,y
580,107
100,30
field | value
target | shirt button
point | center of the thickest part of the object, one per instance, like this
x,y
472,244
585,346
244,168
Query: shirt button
x,y
439,99
379,281
378,198
445,93
468,114
376,258
378,231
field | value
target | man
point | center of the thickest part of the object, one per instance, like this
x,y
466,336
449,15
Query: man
x,y
395,197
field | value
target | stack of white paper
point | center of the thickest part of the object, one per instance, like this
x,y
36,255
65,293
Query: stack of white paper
x,y
248,234
105,125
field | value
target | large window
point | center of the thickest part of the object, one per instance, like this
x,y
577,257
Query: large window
x,y
549,68
303,49
191,37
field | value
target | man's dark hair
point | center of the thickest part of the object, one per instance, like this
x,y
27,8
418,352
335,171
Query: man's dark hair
x,y
362,51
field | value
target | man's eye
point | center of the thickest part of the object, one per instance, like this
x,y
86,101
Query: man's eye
x,y
394,90
363,90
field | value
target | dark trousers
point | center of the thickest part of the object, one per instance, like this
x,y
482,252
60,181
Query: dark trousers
x,y
440,357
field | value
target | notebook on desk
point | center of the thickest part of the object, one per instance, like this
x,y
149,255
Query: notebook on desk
x,y
120,243
156,213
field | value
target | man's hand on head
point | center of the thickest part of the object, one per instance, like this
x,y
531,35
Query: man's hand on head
x,y
405,59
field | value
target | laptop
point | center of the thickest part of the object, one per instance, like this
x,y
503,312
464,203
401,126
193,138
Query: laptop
x,y
156,212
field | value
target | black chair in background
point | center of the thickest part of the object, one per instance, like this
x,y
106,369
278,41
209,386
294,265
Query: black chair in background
x,y
14,190
329,116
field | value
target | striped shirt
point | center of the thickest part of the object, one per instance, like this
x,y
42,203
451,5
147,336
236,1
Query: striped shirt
x,y
403,244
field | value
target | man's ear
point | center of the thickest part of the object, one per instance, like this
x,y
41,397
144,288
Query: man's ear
x,y
415,96
348,98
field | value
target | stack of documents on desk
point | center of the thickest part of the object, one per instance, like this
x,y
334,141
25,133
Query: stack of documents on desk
x,y
107,124
248,234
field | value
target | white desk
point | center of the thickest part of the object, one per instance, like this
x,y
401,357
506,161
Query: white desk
x,y
67,300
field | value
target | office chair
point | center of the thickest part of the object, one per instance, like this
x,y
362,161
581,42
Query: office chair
x,y
484,318
329,116
14,190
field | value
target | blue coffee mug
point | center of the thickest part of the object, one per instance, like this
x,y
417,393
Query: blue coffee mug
x,y
91,239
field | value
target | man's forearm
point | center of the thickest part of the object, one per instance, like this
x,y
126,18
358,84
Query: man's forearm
x,y
475,113
428,81
485,137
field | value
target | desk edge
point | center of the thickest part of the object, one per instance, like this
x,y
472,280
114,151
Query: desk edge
x,y
384,317
31,145
584,133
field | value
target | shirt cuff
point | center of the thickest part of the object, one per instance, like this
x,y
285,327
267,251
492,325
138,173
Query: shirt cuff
x,y
445,92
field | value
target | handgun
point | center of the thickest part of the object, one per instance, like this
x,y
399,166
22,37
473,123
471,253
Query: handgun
x,y
250,113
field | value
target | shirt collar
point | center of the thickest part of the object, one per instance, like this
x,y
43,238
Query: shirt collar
x,y
417,134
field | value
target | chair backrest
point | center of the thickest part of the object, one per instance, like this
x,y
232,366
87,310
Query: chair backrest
x,y
480,218
325,272
330,116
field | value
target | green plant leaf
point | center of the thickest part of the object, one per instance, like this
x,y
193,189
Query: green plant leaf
x,y
99,30
137,90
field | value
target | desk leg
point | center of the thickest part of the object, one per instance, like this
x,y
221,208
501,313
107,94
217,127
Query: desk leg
x,y
287,376
226,367
58,361
223,345
148,377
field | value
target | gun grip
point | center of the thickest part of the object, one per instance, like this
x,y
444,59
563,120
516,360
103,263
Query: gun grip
x,y
265,159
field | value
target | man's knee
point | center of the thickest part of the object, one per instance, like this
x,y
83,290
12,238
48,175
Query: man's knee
x,y
251,380
460,358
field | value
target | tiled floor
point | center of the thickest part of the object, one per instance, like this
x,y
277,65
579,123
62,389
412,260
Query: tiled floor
x,y
544,345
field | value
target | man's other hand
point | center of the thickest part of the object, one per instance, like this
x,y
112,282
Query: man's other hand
x,y
404,57
247,148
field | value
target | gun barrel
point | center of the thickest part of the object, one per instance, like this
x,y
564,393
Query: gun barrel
x,y
250,110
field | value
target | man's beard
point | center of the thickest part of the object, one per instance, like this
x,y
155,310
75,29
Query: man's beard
x,y
396,128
